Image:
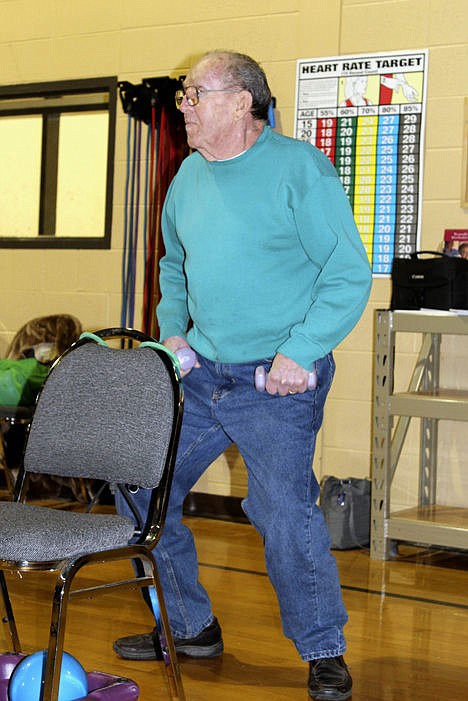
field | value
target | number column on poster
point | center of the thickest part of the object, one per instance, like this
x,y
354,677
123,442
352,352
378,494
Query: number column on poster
x,y
307,125
365,172
345,152
386,188
408,180
326,132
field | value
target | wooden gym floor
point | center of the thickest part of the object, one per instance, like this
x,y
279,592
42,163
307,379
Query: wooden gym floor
x,y
407,633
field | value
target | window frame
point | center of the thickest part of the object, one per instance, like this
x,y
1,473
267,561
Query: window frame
x,y
57,89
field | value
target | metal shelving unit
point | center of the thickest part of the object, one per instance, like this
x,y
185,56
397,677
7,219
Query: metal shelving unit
x,y
427,523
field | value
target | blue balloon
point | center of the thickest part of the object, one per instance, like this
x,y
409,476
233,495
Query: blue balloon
x,y
26,680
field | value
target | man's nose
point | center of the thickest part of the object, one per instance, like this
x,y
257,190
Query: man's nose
x,y
184,104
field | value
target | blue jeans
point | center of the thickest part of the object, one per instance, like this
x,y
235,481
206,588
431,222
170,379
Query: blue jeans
x,y
276,438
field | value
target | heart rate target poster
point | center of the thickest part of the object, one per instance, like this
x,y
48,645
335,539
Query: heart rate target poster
x,y
367,114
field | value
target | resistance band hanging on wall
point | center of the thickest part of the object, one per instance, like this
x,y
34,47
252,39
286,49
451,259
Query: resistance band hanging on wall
x,y
151,103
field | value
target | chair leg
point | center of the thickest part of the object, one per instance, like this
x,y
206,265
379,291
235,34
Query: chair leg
x,y
8,616
56,636
57,632
171,664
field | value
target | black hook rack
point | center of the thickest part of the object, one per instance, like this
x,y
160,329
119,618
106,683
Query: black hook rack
x,y
139,100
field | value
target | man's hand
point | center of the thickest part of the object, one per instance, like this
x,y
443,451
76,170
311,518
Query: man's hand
x,y
286,377
175,343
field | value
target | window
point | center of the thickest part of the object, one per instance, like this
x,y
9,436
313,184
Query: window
x,y
56,173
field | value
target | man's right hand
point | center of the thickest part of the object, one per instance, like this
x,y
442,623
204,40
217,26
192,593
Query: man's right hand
x,y
175,343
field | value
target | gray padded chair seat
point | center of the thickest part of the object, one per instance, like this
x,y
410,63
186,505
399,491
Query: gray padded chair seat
x,y
35,533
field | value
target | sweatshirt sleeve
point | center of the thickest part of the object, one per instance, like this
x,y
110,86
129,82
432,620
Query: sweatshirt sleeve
x,y
172,312
328,234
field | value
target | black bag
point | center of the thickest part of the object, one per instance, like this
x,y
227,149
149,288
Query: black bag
x,y
346,507
440,282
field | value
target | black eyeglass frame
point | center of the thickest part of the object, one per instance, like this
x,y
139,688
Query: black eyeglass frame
x,y
194,98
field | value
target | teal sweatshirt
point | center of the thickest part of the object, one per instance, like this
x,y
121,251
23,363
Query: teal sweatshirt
x,y
262,255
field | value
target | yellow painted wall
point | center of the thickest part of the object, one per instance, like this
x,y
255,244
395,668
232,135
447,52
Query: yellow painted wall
x,y
61,39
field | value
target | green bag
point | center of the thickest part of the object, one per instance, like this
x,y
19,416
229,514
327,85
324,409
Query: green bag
x,y
20,381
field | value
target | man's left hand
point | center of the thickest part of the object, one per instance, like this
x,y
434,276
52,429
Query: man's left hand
x,y
286,377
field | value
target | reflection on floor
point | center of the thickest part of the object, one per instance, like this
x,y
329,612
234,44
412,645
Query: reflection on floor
x,y
407,633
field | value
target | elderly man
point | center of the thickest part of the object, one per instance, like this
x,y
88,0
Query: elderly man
x,y
263,266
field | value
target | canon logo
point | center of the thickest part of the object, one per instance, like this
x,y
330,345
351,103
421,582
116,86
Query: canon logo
x,y
417,277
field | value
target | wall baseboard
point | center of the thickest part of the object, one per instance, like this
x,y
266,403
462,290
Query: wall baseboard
x,y
217,506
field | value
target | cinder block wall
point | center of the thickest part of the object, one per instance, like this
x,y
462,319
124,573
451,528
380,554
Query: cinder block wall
x,y
54,40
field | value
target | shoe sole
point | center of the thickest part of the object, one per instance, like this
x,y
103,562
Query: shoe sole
x,y
199,651
137,655
188,650
332,696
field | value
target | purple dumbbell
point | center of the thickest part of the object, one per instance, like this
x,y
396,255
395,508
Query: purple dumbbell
x,y
187,358
261,378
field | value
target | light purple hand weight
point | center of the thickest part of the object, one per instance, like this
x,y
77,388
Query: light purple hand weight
x,y
261,378
187,358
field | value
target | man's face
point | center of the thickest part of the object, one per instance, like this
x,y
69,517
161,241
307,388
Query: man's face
x,y
210,123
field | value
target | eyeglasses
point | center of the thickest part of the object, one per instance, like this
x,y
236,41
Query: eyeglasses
x,y
192,94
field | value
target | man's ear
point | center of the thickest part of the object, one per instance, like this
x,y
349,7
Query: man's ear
x,y
244,104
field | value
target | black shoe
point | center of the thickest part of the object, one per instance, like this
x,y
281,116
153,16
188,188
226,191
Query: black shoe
x,y
329,679
208,643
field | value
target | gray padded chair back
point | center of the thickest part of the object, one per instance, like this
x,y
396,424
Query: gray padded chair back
x,y
106,414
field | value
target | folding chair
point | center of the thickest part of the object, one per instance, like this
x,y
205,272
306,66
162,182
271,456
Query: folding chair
x,y
105,413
